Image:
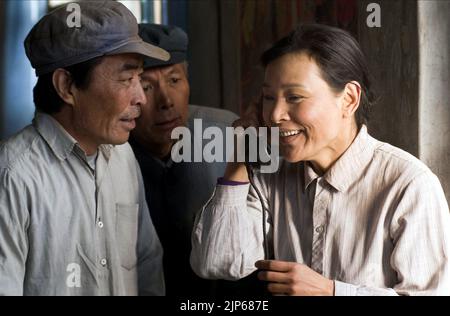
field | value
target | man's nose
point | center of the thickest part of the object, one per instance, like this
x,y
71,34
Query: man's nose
x,y
139,97
164,99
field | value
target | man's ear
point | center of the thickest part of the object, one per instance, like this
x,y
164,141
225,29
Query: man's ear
x,y
351,98
62,81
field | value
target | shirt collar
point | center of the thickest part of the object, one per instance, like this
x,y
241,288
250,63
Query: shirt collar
x,y
309,174
349,167
58,139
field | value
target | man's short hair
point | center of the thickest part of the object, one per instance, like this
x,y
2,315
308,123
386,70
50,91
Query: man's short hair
x,y
47,100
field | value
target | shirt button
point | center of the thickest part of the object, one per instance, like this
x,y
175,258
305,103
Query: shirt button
x,y
319,229
100,224
103,262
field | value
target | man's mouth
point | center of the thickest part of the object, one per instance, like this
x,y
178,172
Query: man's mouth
x,y
129,123
169,124
133,114
129,119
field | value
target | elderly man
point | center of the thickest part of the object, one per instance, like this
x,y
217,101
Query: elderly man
x,y
176,191
73,216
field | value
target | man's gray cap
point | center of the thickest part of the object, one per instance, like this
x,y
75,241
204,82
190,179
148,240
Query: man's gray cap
x,y
107,28
171,38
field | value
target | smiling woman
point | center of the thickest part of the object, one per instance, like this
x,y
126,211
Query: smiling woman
x,y
321,107
348,214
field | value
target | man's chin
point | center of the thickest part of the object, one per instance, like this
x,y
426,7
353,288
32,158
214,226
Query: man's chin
x,y
165,137
119,140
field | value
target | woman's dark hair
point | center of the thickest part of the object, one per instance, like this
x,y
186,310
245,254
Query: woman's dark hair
x,y
45,97
338,56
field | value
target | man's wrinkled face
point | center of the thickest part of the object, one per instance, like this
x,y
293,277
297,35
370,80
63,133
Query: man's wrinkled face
x,y
167,92
105,112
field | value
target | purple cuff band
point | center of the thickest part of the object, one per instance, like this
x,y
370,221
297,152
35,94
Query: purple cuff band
x,y
222,181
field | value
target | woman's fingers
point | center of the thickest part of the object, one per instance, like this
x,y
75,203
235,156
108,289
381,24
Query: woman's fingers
x,y
271,276
275,265
279,289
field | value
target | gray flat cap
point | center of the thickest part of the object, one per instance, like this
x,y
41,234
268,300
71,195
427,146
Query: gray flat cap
x,y
106,28
171,38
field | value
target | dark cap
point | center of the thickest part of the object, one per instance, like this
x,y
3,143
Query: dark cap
x,y
171,38
106,28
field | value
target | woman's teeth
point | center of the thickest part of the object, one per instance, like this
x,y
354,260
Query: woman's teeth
x,y
289,133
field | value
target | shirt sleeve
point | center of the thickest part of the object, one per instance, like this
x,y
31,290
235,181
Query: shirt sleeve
x,y
14,222
150,252
420,231
346,289
227,238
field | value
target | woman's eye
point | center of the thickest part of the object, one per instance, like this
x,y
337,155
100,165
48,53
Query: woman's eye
x,y
294,98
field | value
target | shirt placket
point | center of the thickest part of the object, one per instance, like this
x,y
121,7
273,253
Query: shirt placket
x,y
103,261
99,242
319,226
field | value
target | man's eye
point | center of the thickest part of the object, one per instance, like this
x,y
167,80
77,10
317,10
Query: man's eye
x,y
268,98
126,80
174,80
147,87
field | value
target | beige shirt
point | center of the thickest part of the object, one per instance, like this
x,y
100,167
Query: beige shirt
x,y
71,228
377,222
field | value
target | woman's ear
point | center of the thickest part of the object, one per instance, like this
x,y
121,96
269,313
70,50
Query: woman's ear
x,y
62,81
351,98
